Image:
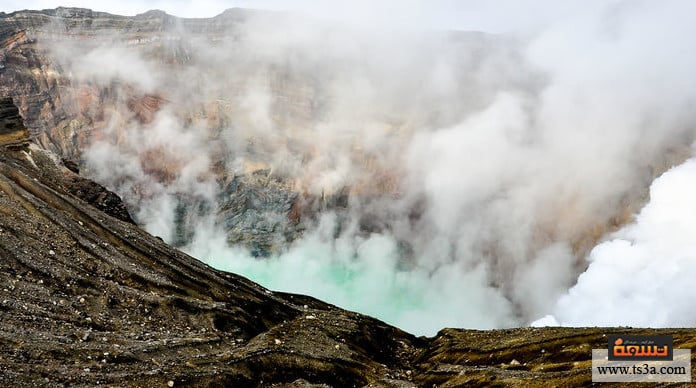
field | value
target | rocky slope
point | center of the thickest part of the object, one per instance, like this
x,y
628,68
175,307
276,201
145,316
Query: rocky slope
x,y
88,298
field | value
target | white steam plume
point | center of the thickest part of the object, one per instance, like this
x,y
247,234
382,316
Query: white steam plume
x,y
643,276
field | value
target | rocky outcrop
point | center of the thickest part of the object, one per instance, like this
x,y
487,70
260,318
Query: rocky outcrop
x,y
88,299
257,209
97,196
13,134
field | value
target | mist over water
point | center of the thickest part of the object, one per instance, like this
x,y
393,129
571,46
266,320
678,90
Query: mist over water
x,y
500,161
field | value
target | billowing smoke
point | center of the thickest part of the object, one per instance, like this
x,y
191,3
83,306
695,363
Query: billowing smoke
x,y
642,275
479,170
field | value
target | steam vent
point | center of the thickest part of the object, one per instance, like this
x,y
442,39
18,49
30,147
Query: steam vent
x,y
172,190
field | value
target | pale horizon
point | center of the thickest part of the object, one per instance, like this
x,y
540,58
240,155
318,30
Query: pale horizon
x,y
497,16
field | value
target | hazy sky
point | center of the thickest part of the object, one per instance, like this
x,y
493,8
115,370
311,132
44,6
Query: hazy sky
x,y
484,15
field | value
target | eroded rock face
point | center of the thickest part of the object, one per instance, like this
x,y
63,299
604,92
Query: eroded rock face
x,y
66,114
97,196
13,133
14,136
257,209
